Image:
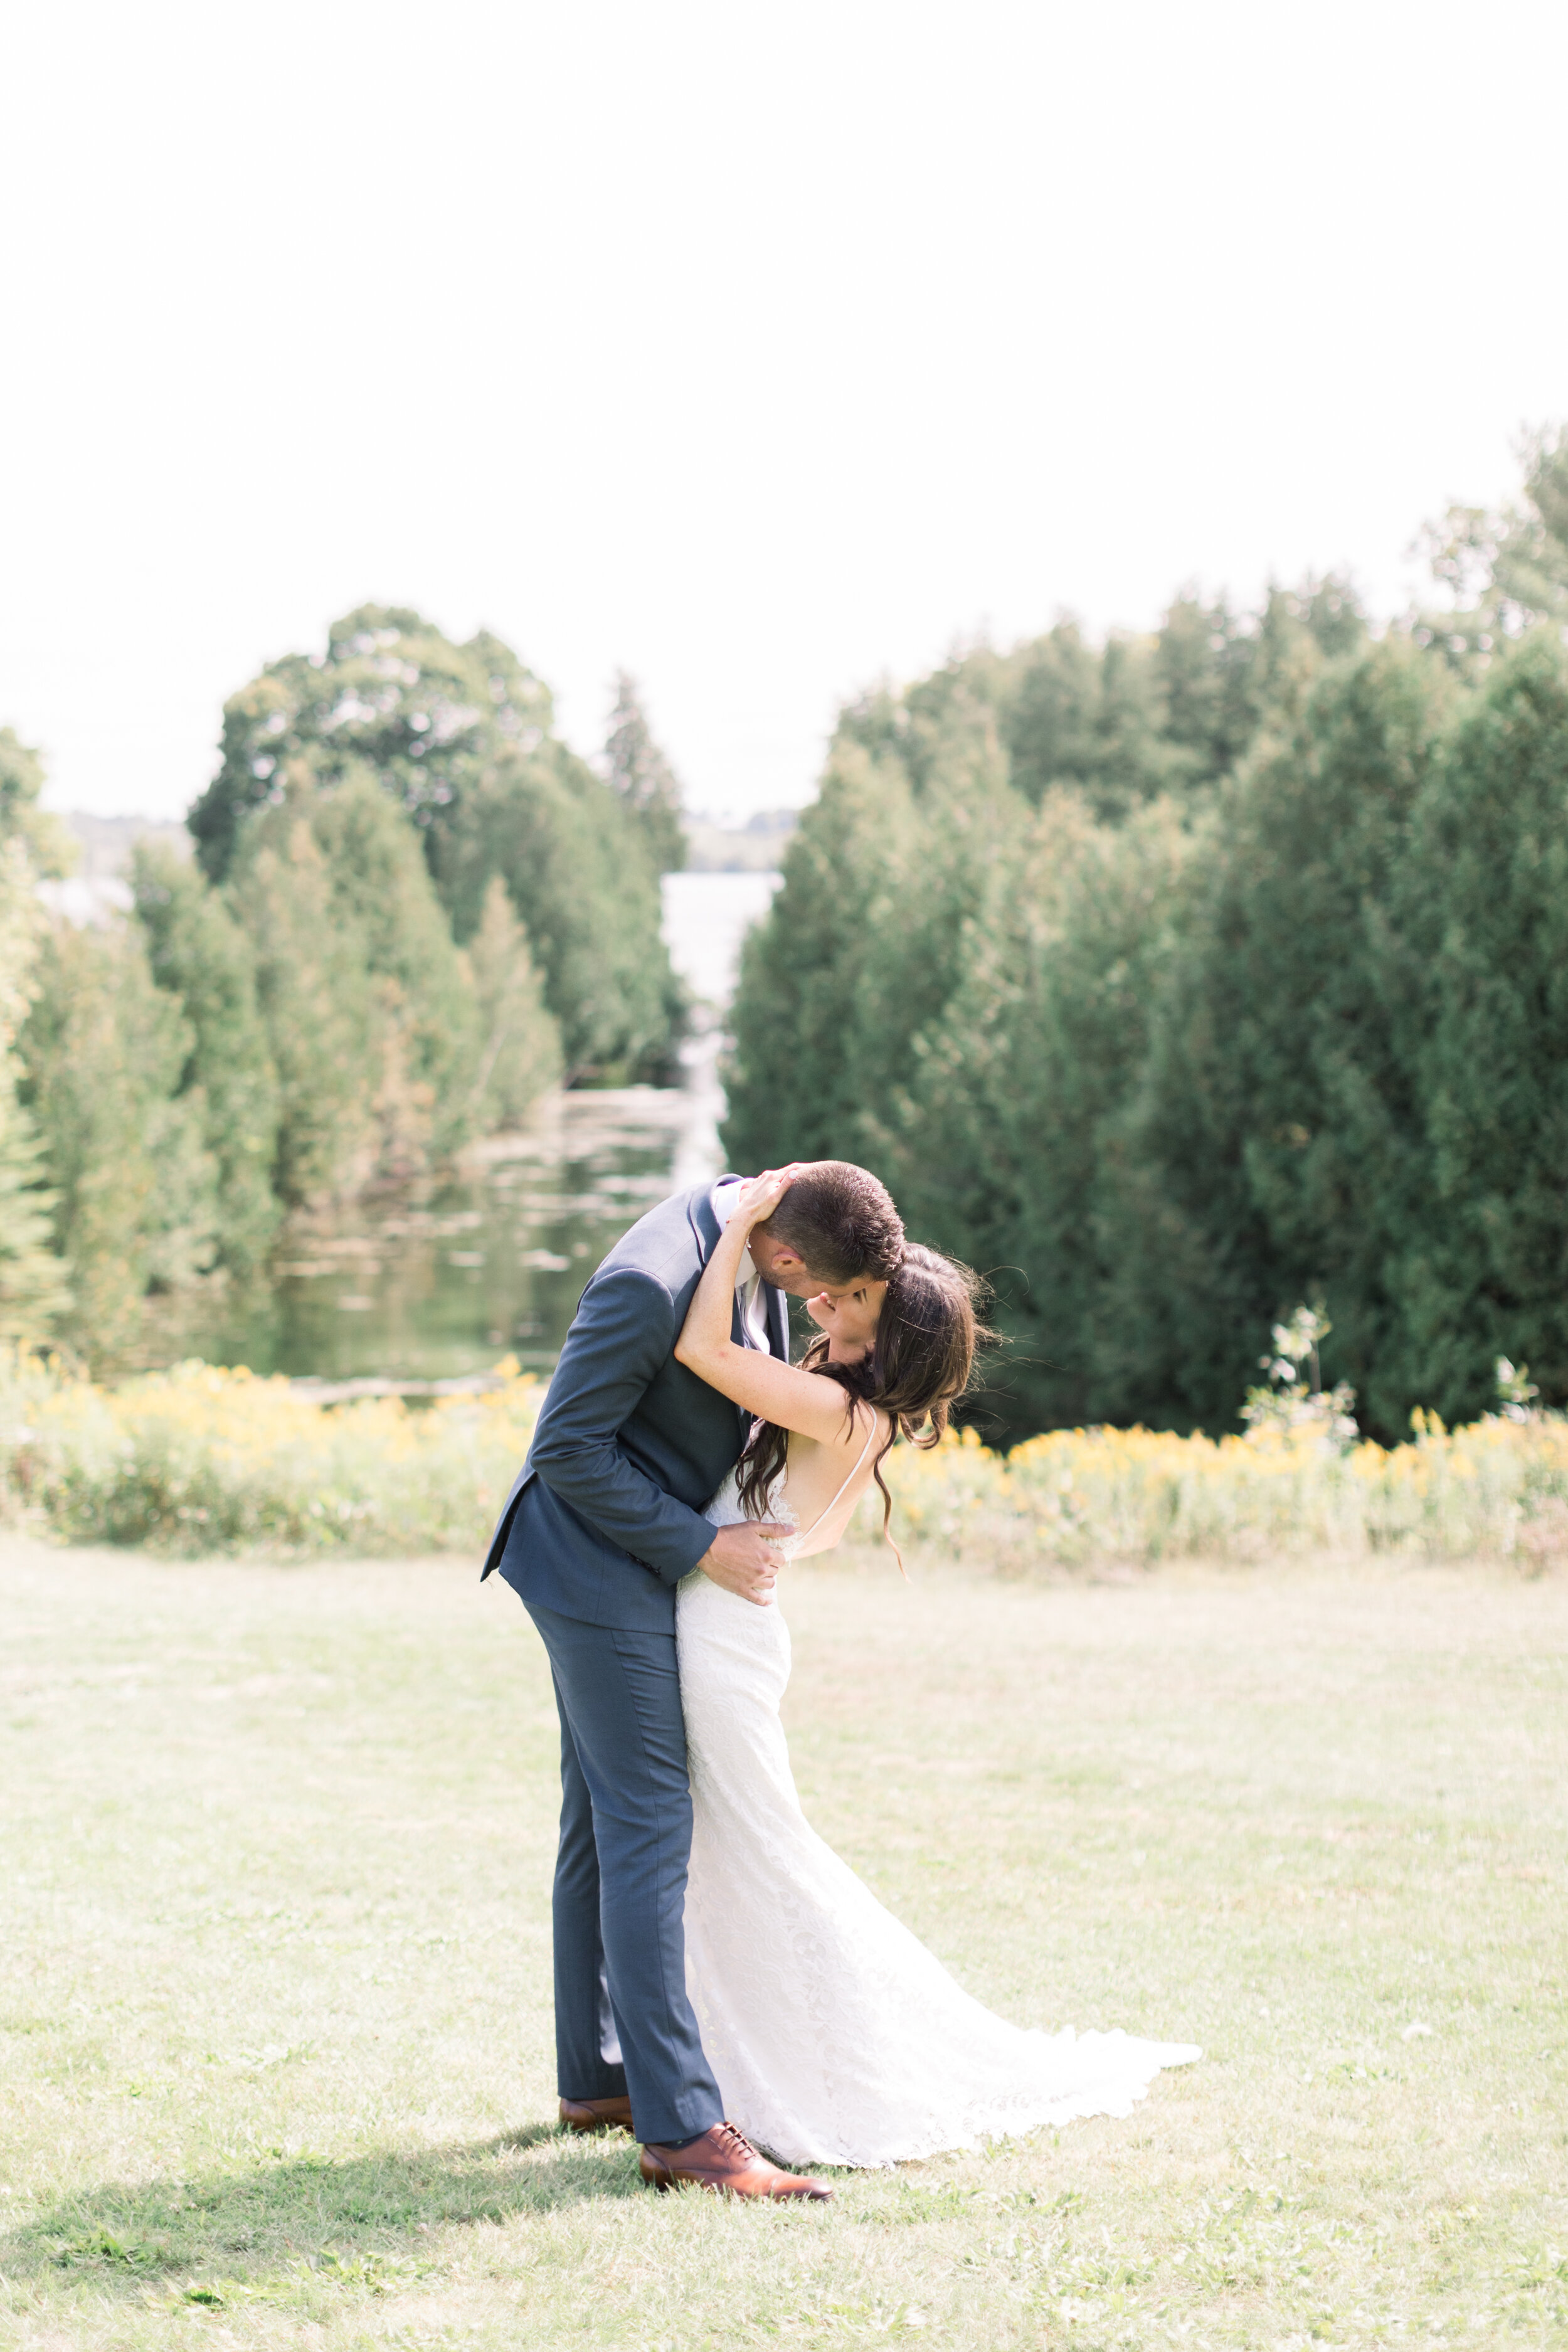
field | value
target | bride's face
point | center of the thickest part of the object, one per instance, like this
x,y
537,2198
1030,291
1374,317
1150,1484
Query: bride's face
x,y
849,1318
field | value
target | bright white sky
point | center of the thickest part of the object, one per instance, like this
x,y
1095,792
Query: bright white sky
x,y
763,351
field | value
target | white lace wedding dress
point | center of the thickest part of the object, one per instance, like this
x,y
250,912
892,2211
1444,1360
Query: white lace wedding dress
x,y
835,2036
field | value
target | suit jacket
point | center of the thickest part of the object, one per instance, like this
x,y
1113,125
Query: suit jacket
x,y
606,1517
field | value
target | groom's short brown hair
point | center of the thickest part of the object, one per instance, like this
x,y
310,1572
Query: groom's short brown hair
x,y
841,1223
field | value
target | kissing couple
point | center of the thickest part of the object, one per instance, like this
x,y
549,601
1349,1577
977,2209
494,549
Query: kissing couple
x,y
724,1984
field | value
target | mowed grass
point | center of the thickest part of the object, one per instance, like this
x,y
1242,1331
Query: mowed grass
x,y
276,1998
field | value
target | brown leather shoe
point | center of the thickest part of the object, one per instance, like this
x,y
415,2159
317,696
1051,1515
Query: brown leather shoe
x,y
596,2115
724,2161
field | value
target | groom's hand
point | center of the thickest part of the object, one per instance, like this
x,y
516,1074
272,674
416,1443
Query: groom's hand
x,y
742,1560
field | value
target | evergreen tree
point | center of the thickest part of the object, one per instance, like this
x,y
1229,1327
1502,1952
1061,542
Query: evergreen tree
x,y
105,1050
203,958
1091,717
46,843
1483,905
1202,661
1054,1043
371,1014
33,1292
1008,1155
939,885
1222,678
844,981
1123,723
520,1053
1271,1147
643,778
791,1074
580,877
316,999
427,1041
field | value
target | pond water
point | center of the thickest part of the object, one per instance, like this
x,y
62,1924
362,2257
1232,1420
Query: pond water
x,y
435,1284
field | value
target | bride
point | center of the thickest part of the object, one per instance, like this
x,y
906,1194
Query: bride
x,y
835,2036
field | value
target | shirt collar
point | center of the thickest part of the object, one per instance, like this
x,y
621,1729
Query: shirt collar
x,y
718,1200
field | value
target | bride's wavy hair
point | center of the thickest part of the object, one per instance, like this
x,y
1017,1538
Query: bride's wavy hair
x,y
917,1367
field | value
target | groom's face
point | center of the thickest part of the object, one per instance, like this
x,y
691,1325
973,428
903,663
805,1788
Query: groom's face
x,y
846,1311
778,1264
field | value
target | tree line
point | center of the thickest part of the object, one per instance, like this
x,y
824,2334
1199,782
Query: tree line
x,y
1183,979
412,908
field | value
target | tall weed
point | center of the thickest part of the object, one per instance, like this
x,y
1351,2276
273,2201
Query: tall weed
x,y
200,1460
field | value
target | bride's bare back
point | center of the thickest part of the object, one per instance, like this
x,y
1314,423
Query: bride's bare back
x,y
815,1492
817,1495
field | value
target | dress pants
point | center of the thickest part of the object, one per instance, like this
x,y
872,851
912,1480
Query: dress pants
x,y
620,1878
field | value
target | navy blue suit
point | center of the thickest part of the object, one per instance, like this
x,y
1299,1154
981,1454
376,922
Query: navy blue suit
x,y
601,1524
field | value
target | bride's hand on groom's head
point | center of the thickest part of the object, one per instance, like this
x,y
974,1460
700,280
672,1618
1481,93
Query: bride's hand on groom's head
x,y
759,1196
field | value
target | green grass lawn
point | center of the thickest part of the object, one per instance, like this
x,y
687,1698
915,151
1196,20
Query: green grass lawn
x,y
276,1964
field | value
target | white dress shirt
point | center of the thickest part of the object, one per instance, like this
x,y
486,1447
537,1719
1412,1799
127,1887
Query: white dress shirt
x,y
749,1295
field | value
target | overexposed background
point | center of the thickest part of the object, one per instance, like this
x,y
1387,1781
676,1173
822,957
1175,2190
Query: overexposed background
x,y
762,352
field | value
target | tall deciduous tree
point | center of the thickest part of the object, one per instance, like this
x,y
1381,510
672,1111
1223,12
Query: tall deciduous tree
x,y
461,738
390,695
1504,569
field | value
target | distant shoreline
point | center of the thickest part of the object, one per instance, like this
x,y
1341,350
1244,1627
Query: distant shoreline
x,y
755,848
105,842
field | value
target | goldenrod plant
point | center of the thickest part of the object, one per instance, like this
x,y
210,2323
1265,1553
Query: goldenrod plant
x,y
203,1460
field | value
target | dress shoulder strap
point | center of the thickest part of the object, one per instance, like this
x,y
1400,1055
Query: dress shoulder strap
x,y
830,1507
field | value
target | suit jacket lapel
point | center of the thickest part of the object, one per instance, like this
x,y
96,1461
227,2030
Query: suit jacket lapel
x,y
705,1231
776,1315
703,1222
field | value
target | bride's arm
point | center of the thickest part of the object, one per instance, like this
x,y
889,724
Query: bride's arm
x,y
762,1384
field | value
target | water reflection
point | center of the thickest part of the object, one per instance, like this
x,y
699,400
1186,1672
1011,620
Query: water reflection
x,y
435,1284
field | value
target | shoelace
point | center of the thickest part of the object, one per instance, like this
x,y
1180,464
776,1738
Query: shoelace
x,y
736,2142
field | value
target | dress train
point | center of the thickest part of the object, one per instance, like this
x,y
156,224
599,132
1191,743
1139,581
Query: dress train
x,y
835,2036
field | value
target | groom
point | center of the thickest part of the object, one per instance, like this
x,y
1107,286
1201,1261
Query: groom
x,y
599,1529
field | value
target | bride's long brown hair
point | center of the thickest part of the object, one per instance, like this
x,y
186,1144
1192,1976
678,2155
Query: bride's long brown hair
x,y
920,1362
